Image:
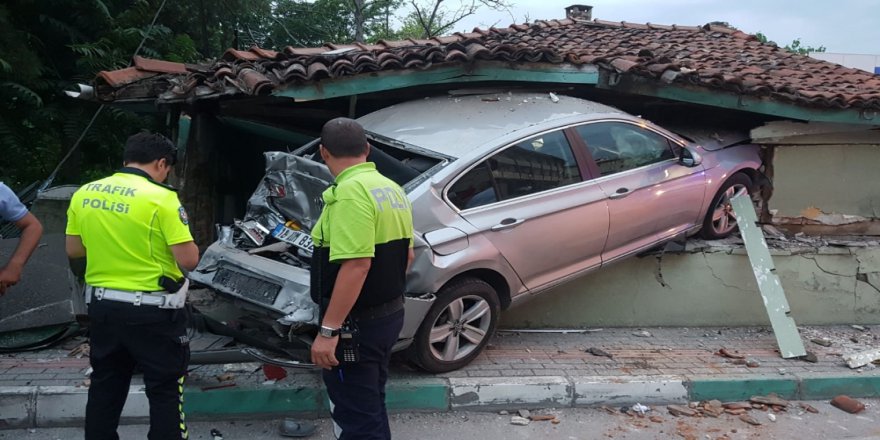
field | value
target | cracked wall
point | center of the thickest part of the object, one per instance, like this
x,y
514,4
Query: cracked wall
x,y
828,285
835,179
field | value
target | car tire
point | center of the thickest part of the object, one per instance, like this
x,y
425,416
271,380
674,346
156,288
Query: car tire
x,y
457,327
719,221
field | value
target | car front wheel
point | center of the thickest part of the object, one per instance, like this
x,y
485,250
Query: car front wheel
x,y
457,327
720,221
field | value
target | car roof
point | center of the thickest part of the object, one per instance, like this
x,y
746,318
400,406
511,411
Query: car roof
x,y
456,125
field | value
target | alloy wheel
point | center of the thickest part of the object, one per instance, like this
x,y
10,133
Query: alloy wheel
x,y
460,328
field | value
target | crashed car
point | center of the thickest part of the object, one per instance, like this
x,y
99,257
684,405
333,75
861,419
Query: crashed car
x,y
512,194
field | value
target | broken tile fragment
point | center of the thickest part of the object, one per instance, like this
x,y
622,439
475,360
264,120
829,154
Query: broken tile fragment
x,y
770,399
725,353
749,419
737,405
825,342
809,408
678,410
848,404
862,358
599,352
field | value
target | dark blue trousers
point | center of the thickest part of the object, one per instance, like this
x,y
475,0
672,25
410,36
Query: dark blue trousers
x,y
123,336
357,390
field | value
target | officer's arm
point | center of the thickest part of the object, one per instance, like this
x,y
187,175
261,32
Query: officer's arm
x,y
409,259
186,254
349,282
74,246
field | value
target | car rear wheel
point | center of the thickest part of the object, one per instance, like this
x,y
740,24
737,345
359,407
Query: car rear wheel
x,y
720,221
457,327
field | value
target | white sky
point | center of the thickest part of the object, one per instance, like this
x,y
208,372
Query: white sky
x,y
846,26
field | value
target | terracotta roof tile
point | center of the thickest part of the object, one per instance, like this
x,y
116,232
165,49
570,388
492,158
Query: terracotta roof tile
x,y
711,56
121,77
158,66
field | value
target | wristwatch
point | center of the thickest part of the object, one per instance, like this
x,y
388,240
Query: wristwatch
x,y
328,332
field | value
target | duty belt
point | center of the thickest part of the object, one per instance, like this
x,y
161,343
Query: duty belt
x,y
158,299
378,311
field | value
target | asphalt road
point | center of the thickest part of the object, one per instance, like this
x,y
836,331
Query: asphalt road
x,y
574,424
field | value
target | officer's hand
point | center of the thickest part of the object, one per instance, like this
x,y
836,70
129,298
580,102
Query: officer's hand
x,y
324,352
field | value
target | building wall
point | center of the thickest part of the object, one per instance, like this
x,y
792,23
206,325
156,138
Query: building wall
x,y
824,286
870,63
835,179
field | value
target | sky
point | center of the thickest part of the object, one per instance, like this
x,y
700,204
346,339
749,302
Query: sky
x,y
844,26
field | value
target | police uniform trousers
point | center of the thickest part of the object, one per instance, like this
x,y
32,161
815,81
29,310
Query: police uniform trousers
x,y
124,336
357,390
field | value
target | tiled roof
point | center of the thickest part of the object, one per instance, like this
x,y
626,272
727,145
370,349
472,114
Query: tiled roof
x,y
714,57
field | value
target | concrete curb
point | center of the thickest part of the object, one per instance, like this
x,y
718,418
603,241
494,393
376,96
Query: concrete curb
x,y
43,406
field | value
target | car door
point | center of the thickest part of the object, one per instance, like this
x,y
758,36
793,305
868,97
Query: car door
x,y
651,197
532,203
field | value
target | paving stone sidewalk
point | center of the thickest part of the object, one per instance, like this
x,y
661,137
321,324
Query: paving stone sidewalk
x,y
518,369
665,352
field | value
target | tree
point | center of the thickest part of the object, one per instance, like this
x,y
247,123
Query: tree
x,y
431,18
796,46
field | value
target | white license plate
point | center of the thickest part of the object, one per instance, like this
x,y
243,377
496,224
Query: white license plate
x,y
302,241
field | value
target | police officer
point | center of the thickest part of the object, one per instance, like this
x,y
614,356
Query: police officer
x,y
12,210
363,247
135,237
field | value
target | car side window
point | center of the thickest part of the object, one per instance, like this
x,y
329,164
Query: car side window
x,y
617,146
537,164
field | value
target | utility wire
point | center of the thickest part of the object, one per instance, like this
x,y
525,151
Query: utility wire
x,y
82,135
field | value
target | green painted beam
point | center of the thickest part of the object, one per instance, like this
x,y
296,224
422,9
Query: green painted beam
x,y
184,122
730,100
457,74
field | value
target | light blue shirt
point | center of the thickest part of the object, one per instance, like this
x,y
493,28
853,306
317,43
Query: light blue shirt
x,y
11,208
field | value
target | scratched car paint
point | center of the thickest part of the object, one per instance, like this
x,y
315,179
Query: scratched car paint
x,y
512,194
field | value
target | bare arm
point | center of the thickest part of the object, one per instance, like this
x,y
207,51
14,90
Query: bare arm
x,y
74,246
186,254
31,231
409,259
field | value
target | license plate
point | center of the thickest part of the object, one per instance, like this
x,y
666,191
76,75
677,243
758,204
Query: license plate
x,y
303,241
297,238
247,286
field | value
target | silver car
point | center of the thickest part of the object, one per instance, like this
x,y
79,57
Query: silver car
x,y
513,193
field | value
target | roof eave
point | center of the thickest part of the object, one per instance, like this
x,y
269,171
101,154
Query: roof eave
x,y
484,71
731,100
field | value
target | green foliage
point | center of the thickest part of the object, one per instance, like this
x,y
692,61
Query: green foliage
x,y
796,46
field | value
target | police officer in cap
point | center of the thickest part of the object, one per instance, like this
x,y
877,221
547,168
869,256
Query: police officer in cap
x,y
363,247
135,237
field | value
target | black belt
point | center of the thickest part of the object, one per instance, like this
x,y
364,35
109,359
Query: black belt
x,y
377,311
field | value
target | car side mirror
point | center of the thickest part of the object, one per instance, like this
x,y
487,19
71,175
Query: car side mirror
x,y
689,157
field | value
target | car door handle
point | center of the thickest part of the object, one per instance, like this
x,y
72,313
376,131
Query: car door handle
x,y
508,223
620,193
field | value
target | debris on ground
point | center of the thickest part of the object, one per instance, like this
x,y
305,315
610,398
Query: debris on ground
x,y
859,327
217,387
771,416
711,408
810,357
225,377
524,413
503,412
725,353
737,405
809,408
519,421
216,434
825,342
749,419
608,410
848,404
80,351
599,352
656,419
541,417
641,409
678,410
643,334
751,363
242,367
274,372
770,400
862,358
